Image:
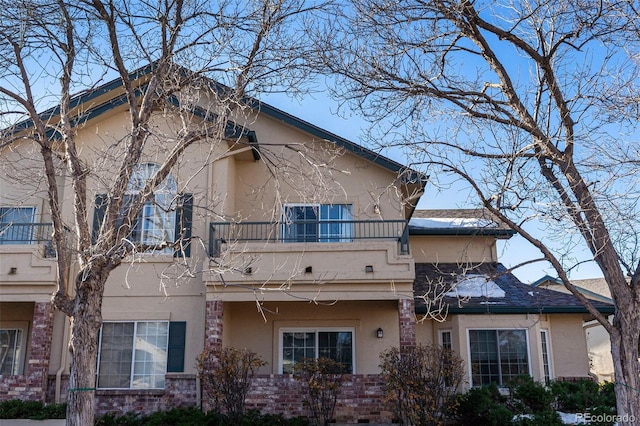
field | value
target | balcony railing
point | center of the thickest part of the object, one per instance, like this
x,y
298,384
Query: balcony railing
x,y
25,233
308,231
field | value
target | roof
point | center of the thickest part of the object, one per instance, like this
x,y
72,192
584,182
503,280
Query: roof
x,y
593,288
458,222
407,175
504,293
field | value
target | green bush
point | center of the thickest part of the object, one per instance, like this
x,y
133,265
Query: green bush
x,y
483,406
34,410
576,397
529,396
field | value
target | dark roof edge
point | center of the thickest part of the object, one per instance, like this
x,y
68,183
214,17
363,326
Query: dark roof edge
x,y
462,231
502,310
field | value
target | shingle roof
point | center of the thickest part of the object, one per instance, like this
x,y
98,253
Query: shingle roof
x,y
458,222
518,298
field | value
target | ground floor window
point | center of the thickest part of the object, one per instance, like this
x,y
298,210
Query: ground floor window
x,y
133,354
546,357
497,356
297,344
11,350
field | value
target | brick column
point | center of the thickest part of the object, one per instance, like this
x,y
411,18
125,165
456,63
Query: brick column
x,y
213,325
407,320
40,349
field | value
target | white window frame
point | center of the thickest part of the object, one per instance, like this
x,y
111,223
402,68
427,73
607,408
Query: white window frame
x,y
316,330
528,344
346,232
34,212
132,373
162,207
21,349
546,340
441,334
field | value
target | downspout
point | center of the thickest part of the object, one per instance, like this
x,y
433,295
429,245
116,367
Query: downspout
x,y
63,359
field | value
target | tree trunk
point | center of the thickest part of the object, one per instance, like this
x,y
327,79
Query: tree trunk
x,y
624,351
83,347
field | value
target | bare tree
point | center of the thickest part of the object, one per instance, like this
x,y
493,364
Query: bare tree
x,y
534,104
165,54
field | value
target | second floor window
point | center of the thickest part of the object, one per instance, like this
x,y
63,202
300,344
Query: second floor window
x,y
155,223
164,219
16,225
317,223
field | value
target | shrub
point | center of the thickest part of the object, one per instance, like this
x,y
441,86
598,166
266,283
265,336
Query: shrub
x,y
483,406
530,396
35,410
421,382
578,396
322,380
226,376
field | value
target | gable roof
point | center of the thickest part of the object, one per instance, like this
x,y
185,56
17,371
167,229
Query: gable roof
x,y
458,222
118,98
593,288
517,297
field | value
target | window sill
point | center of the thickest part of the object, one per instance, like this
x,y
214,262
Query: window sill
x,y
124,392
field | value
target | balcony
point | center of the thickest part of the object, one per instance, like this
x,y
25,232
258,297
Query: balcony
x,y
310,259
308,231
27,234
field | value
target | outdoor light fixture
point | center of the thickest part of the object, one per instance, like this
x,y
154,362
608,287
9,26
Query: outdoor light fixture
x,y
379,333
368,268
376,209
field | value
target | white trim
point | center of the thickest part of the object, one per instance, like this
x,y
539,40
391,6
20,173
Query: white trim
x,y
441,340
20,358
547,337
283,330
133,352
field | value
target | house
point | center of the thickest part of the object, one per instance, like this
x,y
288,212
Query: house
x,y
471,303
598,343
325,259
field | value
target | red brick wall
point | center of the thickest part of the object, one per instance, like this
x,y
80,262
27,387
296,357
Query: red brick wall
x,y
180,391
361,399
32,385
406,313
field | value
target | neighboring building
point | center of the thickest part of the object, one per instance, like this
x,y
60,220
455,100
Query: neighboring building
x,y
321,264
598,342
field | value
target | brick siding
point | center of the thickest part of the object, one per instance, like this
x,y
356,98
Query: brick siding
x,y
32,385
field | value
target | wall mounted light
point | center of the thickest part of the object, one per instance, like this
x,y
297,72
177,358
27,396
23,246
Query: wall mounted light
x,y
368,268
379,333
376,209
308,270
13,270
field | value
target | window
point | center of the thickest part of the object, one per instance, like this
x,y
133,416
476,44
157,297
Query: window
x,y
11,350
497,356
317,223
16,225
445,339
155,223
165,219
297,344
546,357
138,354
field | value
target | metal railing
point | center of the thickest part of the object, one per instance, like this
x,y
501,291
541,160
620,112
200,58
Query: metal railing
x,y
25,233
306,231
